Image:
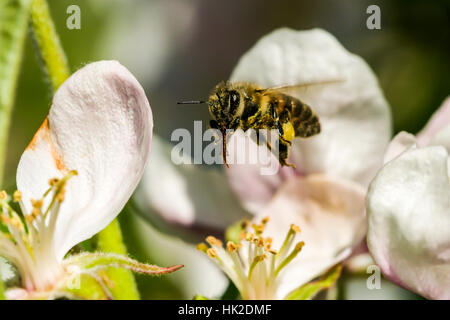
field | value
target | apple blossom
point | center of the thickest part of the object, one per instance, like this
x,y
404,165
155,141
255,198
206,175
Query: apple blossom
x,y
408,208
75,177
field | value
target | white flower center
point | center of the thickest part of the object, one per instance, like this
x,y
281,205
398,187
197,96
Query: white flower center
x,y
27,240
252,264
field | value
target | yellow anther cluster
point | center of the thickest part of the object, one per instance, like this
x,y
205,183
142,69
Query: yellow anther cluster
x,y
3,195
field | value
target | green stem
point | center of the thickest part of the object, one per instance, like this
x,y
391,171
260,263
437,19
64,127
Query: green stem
x,y
13,29
50,51
55,65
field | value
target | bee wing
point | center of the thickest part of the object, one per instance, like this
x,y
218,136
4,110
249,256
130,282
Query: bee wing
x,y
302,89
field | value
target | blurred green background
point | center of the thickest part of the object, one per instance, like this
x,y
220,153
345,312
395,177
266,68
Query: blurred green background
x,y
179,49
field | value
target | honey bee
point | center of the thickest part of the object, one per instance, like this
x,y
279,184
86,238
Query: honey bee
x,y
244,105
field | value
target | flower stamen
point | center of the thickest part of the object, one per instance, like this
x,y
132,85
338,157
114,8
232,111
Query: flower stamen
x,y
252,264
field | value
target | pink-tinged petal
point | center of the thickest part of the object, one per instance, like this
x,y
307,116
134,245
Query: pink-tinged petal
x,y
401,142
100,124
253,181
16,294
438,121
408,208
185,195
354,114
330,213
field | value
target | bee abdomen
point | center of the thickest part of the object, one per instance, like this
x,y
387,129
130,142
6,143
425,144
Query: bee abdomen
x,y
305,121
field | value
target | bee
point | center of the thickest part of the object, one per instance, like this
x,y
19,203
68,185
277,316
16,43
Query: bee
x,y
244,105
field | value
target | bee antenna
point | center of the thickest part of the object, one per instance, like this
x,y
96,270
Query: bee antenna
x,y
191,102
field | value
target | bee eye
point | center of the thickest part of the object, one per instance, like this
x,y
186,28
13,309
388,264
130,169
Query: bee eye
x,y
234,99
213,124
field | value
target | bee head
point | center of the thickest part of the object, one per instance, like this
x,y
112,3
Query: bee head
x,y
224,104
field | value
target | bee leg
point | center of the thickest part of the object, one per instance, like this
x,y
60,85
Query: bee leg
x,y
281,133
261,139
283,154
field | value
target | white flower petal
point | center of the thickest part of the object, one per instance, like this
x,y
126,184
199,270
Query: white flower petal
x,y
408,206
185,194
354,114
439,121
330,213
399,144
100,124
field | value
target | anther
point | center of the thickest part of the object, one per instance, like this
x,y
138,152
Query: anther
x,y
3,195
17,196
245,224
52,182
249,236
202,247
213,241
37,204
212,253
231,247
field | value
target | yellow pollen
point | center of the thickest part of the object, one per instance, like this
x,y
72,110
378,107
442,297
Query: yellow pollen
x,y
299,246
202,247
212,253
295,228
213,241
37,204
15,222
231,247
52,182
265,220
30,217
17,196
261,242
259,229
4,219
3,195
249,236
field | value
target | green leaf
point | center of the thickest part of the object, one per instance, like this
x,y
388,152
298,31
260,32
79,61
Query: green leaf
x,y
13,30
311,289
